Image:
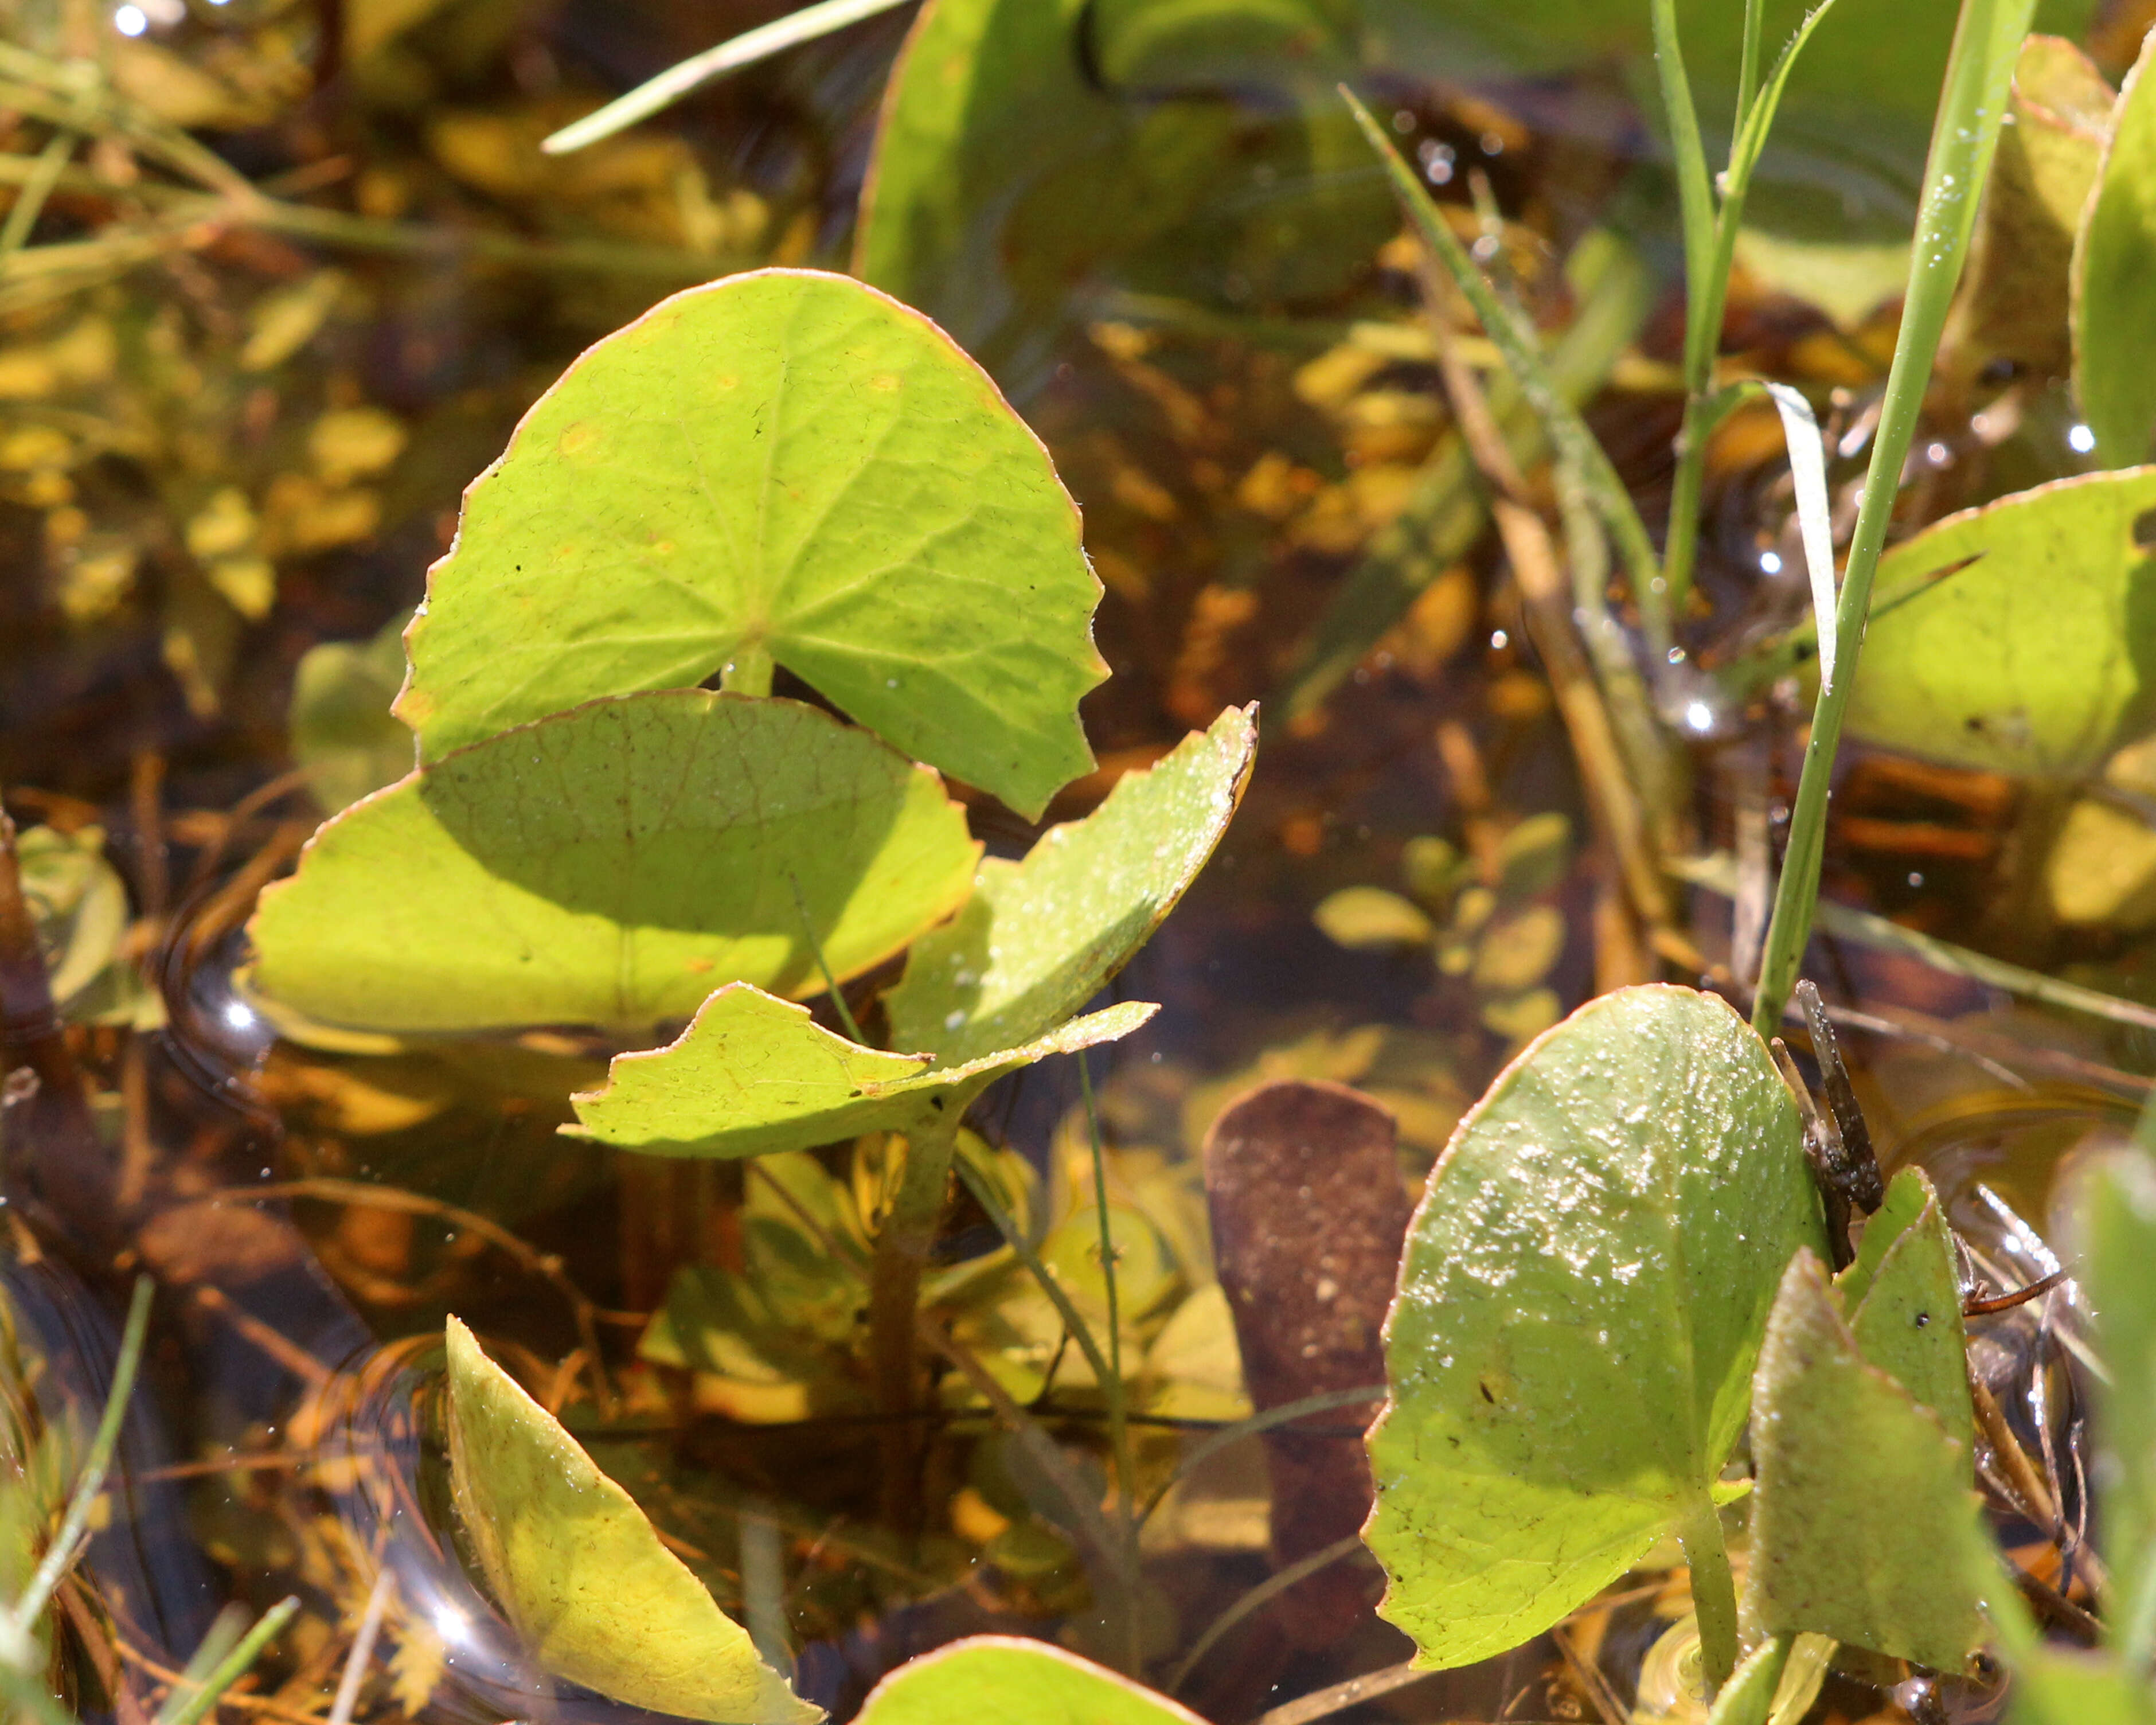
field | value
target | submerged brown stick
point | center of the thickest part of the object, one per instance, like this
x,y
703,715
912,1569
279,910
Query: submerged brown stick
x,y
1309,1217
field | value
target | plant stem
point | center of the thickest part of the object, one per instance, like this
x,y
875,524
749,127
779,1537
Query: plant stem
x,y
1987,40
902,1246
1748,1696
1714,1589
1119,1431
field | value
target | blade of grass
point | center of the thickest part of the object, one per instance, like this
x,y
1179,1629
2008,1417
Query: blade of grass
x,y
1718,874
1748,60
1695,191
1566,431
30,202
232,1667
1706,294
1815,520
1987,41
74,1524
677,80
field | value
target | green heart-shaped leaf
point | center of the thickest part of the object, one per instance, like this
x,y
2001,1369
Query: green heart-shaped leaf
x,y
752,1074
1040,938
782,466
578,1569
1864,1526
1013,1682
1580,1303
612,866
2038,658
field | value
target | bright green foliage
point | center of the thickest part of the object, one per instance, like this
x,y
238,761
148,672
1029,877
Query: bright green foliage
x,y
1040,938
1013,1682
2114,257
1863,1526
1903,1303
2041,657
344,735
784,467
1580,1303
578,1569
612,866
2118,1246
752,1074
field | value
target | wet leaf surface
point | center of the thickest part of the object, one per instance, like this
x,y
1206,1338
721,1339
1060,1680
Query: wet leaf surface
x,y
783,466
1040,936
751,1075
612,867
1864,1523
1003,1678
2038,658
579,1570
1579,1308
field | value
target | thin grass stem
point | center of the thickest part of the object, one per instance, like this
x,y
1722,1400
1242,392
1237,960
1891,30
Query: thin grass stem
x,y
1562,423
677,80
232,1666
1987,41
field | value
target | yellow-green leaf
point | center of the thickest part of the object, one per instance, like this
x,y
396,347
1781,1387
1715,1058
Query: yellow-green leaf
x,y
1863,1526
783,466
752,1074
579,1572
1580,1303
2114,255
1001,1679
1040,938
612,866
2039,657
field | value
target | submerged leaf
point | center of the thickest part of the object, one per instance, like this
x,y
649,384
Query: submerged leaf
x,y
77,902
612,866
2114,258
579,1570
752,1074
1010,1681
782,466
1584,1287
1040,938
1863,1526
344,735
2039,657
